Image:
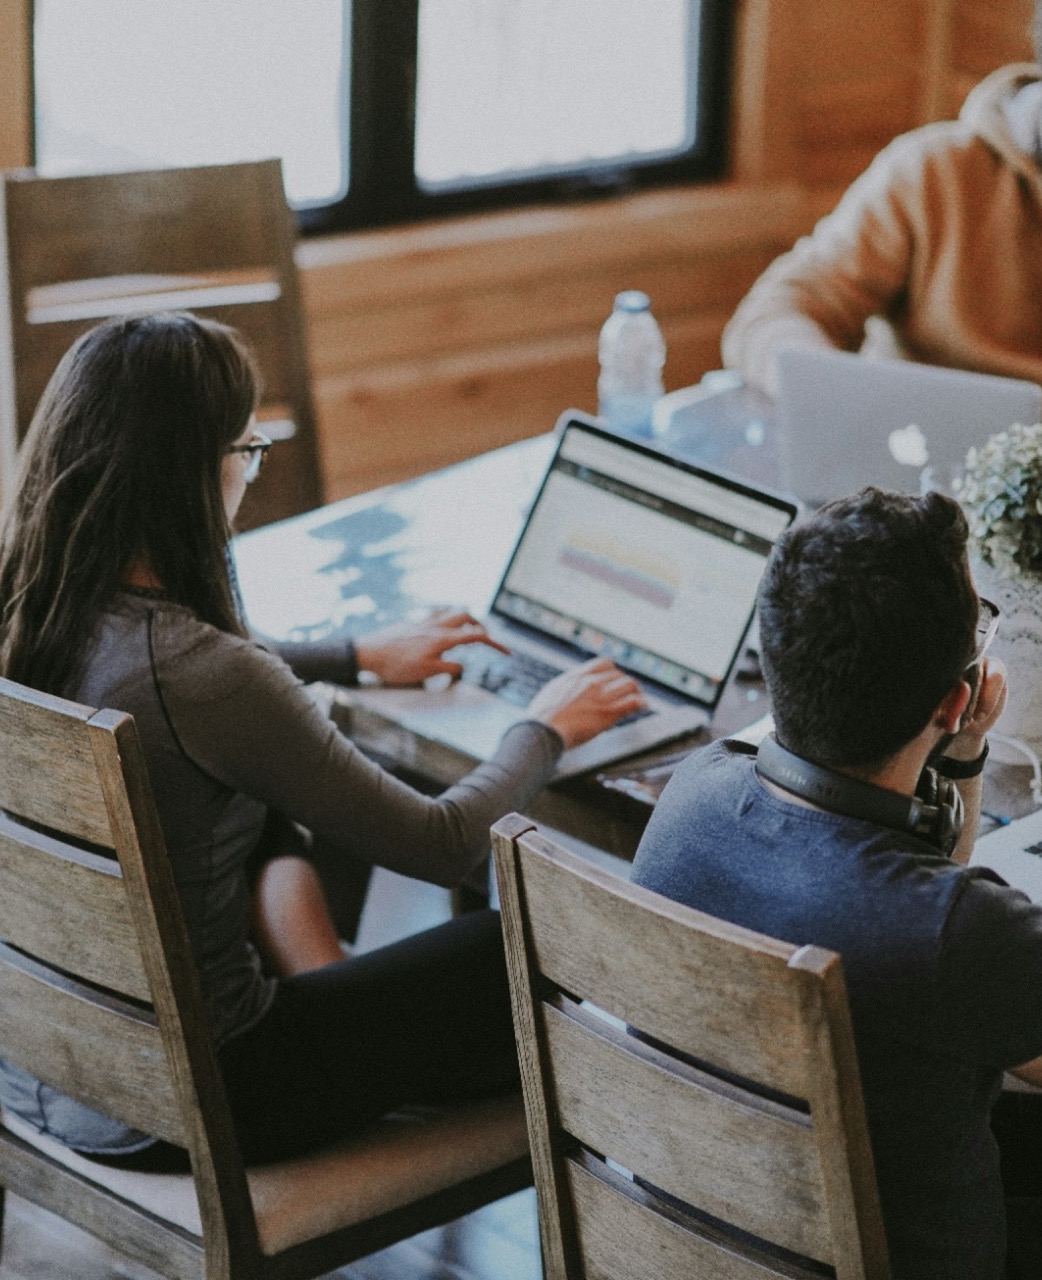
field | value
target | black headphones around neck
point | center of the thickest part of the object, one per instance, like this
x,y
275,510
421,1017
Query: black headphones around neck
x,y
935,812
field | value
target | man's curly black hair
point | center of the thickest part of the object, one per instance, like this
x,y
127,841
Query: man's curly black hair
x,y
867,619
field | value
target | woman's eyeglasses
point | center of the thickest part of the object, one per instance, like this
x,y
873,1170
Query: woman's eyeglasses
x,y
256,450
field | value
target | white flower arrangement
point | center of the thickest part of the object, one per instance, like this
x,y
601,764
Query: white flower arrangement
x,y
1001,493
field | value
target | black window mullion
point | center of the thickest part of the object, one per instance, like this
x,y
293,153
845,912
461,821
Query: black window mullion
x,y
381,138
387,134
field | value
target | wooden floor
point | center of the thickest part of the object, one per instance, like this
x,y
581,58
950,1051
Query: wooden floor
x,y
498,1243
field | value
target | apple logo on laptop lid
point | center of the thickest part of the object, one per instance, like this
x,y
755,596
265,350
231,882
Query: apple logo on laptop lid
x,y
907,446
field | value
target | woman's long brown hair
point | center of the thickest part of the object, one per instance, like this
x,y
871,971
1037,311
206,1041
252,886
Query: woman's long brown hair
x,y
122,465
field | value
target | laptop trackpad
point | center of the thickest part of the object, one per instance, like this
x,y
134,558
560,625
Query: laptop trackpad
x,y
461,716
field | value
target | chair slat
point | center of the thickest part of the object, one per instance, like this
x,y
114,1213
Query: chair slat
x,y
68,908
619,1233
257,321
94,300
225,231
727,995
737,1158
42,739
133,1231
102,1051
152,221
731,1180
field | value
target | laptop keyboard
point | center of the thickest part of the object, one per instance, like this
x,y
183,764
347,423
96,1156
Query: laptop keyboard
x,y
517,677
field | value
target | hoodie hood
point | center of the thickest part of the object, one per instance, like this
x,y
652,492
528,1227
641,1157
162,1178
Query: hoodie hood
x,y
1005,110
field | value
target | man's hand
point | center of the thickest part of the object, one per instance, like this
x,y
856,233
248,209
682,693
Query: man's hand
x,y
985,706
410,652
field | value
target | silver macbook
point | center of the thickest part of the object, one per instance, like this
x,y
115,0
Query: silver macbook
x,y
625,552
848,420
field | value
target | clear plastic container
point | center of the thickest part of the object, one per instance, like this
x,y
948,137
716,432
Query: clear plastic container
x,y
631,352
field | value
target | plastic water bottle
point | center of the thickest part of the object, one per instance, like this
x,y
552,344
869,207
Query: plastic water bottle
x,y
631,352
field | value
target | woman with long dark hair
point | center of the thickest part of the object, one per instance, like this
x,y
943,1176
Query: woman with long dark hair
x,y
115,591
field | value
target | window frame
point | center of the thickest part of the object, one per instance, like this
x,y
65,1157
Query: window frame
x,y
380,137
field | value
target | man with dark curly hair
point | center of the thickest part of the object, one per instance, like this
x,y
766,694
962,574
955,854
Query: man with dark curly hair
x,y
843,831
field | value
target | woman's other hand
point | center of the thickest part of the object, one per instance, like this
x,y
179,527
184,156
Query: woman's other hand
x,y
411,652
580,703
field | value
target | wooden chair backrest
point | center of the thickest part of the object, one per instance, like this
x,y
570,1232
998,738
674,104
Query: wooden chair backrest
x,y
99,995
217,240
712,1124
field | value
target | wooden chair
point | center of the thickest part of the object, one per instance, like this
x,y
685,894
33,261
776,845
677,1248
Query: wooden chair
x,y
99,997
217,240
642,1027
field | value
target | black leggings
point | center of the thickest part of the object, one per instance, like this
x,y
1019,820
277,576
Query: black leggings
x,y
425,1020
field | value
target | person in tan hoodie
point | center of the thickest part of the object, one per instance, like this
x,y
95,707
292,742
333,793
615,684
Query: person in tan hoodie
x,y
941,237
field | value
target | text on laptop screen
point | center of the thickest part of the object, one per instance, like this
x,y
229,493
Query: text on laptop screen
x,y
655,565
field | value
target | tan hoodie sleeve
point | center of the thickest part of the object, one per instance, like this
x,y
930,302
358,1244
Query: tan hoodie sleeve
x,y
853,265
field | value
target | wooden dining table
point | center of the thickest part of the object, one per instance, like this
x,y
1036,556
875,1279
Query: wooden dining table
x,y
444,539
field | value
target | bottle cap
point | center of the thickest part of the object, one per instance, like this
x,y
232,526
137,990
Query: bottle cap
x,y
632,300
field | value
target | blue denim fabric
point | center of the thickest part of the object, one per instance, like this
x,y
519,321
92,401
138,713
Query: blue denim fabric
x,y
64,1119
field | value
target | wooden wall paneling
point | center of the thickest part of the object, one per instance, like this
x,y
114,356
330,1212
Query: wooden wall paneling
x,y
398,421
767,34
934,92
480,331
844,43
845,123
988,33
15,77
502,248
404,419
862,70
367,335
984,36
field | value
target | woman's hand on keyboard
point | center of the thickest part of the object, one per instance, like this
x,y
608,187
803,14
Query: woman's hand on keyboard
x,y
580,703
411,652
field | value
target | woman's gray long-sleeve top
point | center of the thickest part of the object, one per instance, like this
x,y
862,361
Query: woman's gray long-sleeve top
x,y
229,732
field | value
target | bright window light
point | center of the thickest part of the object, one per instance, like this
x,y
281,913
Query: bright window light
x,y
511,89
142,84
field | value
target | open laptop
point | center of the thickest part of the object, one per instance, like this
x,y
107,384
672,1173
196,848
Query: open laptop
x,y
848,420
625,552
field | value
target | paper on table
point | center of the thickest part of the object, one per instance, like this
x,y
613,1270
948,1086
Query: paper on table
x,y
1015,853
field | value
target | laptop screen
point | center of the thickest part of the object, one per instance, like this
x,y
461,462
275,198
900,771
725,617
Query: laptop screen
x,y
650,561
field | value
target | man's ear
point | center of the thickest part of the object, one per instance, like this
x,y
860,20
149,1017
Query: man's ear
x,y
950,711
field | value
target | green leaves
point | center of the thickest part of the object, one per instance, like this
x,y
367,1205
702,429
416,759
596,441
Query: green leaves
x,y
1001,493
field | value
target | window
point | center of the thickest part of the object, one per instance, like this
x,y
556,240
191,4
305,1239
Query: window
x,y
388,109
138,84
